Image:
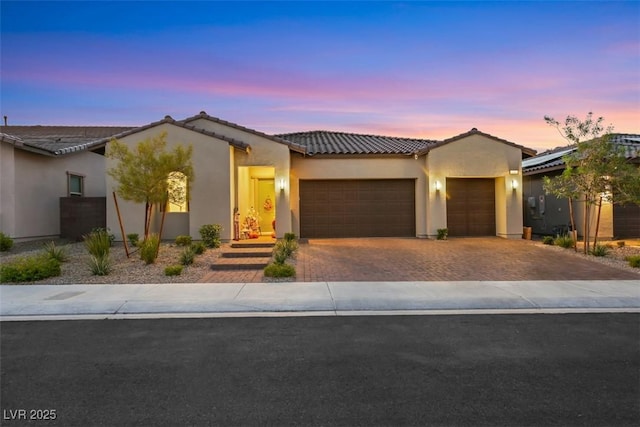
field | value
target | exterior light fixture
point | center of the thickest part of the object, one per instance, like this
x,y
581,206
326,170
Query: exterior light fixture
x,y
415,156
513,171
437,185
281,184
514,184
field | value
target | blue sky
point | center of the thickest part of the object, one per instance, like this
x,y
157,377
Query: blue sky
x,y
419,69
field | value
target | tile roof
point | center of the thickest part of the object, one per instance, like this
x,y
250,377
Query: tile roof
x,y
552,159
275,138
57,140
327,142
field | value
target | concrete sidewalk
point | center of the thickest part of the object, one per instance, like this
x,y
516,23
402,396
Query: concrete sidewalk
x,y
314,298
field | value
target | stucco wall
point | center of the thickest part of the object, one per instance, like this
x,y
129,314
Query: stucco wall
x,y
40,181
359,168
477,156
7,189
210,192
264,152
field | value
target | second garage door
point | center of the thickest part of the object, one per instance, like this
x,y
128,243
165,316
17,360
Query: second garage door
x,y
357,208
471,206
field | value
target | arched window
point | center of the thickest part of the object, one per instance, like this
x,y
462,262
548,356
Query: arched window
x,y
178,200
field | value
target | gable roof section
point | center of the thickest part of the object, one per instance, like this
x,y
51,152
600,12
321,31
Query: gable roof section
x,y
58,140
526,152
203,115
553,159
326,142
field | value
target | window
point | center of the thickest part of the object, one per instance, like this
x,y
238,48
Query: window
x,y
75,184
178,200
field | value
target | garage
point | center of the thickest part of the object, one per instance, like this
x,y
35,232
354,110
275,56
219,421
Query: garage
x,y
357,208
471,209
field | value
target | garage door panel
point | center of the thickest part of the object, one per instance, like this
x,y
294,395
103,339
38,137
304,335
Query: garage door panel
x,y
471,206
357,208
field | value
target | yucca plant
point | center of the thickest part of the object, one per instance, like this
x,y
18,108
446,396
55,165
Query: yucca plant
x,y
59,253
187,256
98,243
100,265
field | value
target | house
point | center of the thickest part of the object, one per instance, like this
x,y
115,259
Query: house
x,y
333,184
52,180
549,215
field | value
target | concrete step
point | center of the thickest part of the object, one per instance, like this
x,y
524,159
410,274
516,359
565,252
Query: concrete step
x,y
243,253
238,245
252,263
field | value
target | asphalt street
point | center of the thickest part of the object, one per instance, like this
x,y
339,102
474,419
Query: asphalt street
x,y
464,370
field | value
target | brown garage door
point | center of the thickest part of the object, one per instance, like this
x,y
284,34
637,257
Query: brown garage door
x,y
471,206
626,221
357,208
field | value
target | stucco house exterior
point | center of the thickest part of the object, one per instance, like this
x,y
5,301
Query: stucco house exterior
x,y
332,184
549,215
315,184
46,170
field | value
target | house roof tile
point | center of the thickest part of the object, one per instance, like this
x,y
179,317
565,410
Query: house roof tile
x,y
327,142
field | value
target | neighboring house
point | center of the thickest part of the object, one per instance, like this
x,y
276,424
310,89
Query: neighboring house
x,y
549,215
46,170
314,184
332,184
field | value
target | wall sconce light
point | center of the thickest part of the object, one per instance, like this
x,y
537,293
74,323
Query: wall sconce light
x,y
415,156
281,184
513,171
437,185
514,184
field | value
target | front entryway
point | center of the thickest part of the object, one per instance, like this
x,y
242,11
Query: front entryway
x,y
357,208
471,206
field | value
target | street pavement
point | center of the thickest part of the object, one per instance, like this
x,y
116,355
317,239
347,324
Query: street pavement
x,y
30,302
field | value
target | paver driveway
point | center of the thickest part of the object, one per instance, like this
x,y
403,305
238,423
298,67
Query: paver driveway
x,y
397,259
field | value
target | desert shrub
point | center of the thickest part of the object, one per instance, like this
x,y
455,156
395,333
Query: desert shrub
x,y
279,270
210,234
59,253
183,240
149,248
563,241
634,261
284,249
6,242
112,237
133,239
547,240
173,270
187,256
100,265
621,243
98,242
29,269
599,250
443,233
198,248
289,236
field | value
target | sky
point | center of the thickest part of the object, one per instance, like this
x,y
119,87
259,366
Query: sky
x,y
415,69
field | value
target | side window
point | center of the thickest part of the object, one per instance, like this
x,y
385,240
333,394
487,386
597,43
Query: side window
x,y
75,184
178,200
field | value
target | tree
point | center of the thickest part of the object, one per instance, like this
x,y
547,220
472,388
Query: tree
x,y
143,173
595,170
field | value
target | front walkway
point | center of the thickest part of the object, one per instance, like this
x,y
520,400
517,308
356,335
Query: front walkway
x,y
456,259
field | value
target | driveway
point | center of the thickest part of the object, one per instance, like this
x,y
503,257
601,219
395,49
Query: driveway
x,y
405,259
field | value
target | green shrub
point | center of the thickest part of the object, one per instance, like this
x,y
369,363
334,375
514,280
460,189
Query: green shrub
x,y
6,242
149,248
29,269
187,256
183,240
599,250
108,232
547,240
173,270
133,239
98,242
210,234
443,233
100,265
289,236
279,270
56,252
563,241
634,261
198,248
284,249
